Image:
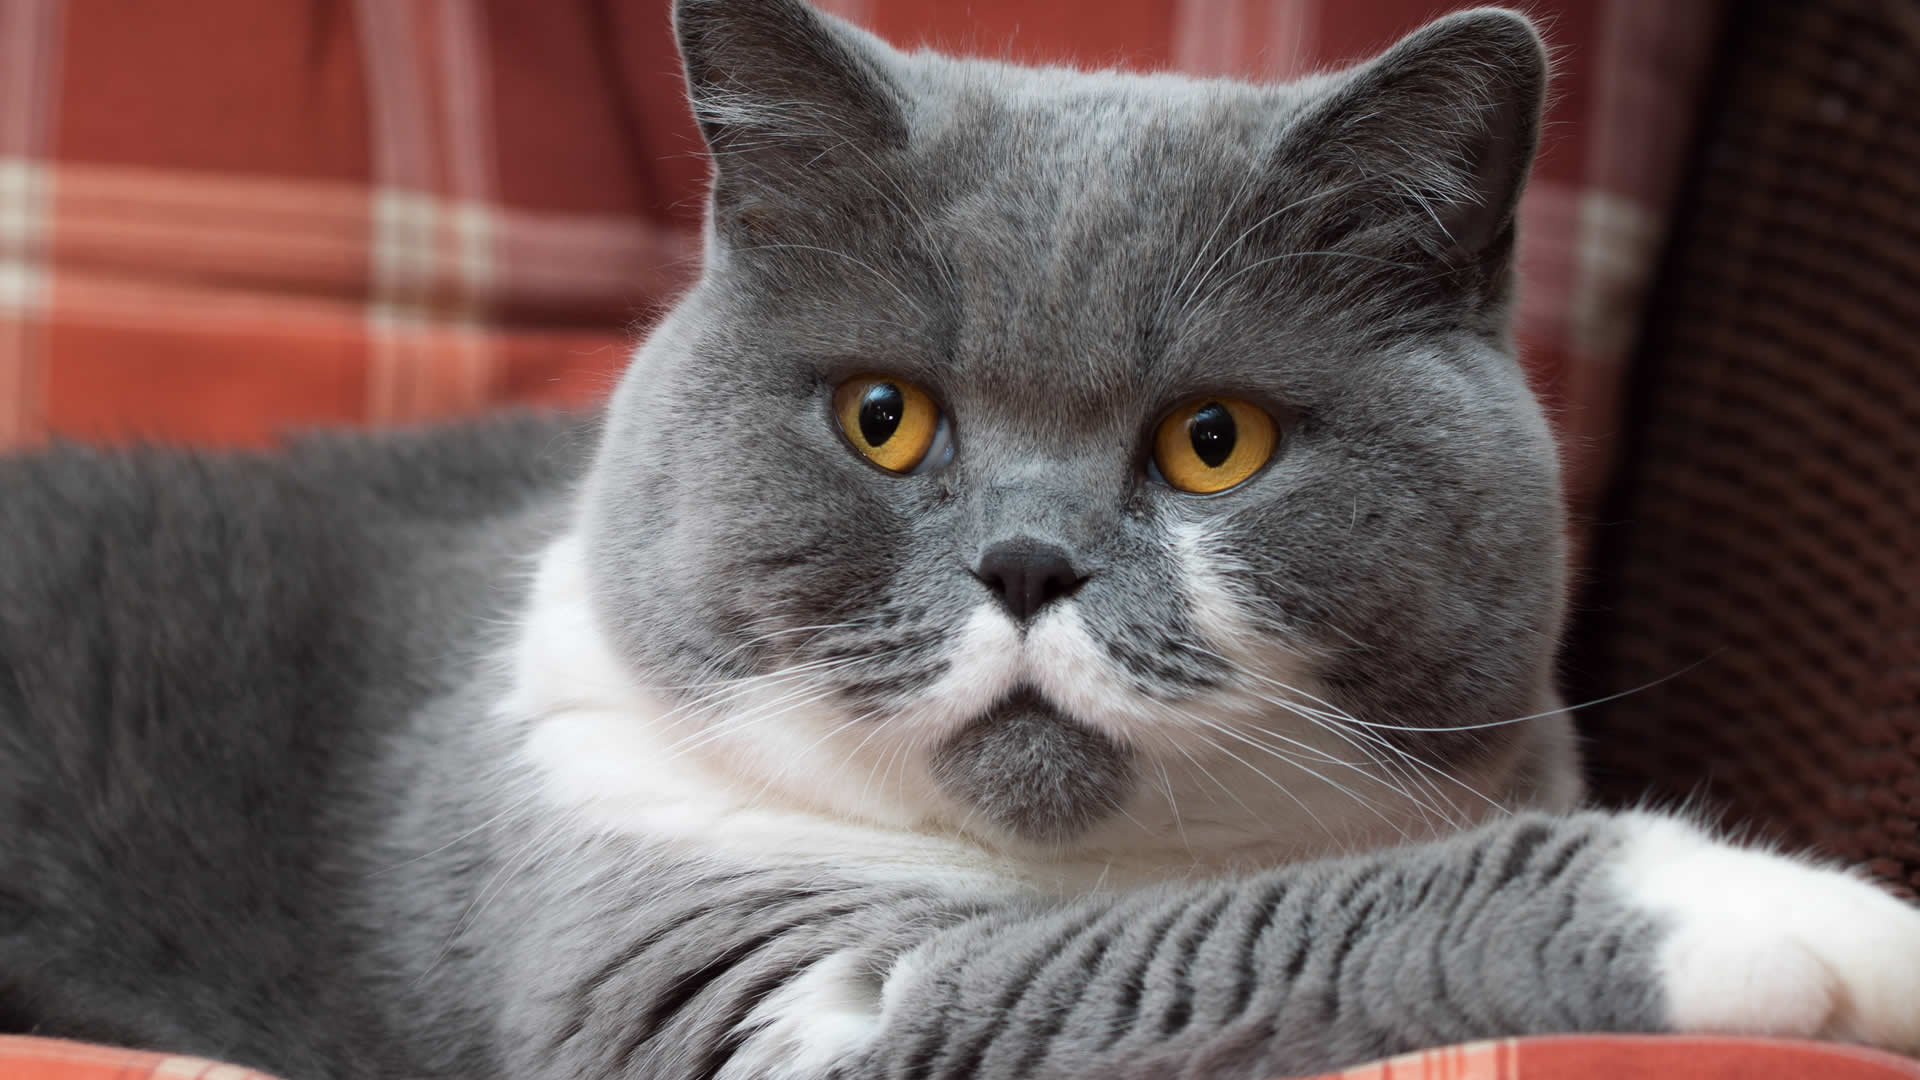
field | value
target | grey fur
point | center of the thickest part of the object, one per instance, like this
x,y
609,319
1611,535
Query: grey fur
x,y
213,677
1509,929
1061,258
1034,771
251,808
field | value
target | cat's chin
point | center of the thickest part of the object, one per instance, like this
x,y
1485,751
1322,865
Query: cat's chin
x,y
1031,772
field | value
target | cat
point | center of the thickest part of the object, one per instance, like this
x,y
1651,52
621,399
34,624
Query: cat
x,y
1071,591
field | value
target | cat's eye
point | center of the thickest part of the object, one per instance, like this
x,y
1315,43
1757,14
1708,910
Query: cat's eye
x,y
893,422
1213,444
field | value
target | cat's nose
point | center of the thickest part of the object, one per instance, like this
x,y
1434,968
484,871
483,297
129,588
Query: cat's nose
x,y
1027,574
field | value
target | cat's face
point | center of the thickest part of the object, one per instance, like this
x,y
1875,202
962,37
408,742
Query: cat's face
x,y
914,489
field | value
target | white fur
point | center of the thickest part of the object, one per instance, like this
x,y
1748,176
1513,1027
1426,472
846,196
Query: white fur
x,y
775,769
826,1016
810,1024
1759,944
1212,601
614,755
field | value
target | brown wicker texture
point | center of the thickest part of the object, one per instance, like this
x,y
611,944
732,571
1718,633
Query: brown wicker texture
x,y
1768,523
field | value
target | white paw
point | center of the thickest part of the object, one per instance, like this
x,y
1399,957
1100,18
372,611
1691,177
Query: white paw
x,y
1761,944
824,1017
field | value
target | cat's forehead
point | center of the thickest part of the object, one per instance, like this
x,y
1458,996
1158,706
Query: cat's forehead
x,y
1078,215
1081,149
1071,112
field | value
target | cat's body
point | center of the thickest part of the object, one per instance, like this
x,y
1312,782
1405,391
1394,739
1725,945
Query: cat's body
x,y
330,871
684,742
195,807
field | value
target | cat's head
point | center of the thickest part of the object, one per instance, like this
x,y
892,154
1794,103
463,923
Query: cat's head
x,y
1039,444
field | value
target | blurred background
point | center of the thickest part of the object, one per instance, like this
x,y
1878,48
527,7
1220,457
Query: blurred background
x,y
221,220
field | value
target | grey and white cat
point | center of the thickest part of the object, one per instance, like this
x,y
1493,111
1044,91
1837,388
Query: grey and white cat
x,y
1071,591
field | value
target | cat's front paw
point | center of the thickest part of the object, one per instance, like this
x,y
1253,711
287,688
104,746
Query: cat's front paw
x,y
1759,944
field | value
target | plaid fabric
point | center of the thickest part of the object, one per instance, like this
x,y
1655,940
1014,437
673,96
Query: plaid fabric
x,y
224,219
1620,1057
54,1059
1564,1058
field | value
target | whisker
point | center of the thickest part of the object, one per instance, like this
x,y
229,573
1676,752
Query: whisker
x,y
547,836
862,263
1550,712
1173,806
1257,264
1191,760
1356,796
1388,775
1340,723
1233,206
800,757
512,807
1255,227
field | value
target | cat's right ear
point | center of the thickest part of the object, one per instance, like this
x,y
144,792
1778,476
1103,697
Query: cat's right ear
x,y
1420,156
780,91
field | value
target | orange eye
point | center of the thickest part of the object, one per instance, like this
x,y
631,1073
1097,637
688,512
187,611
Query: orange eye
x,y
1213,444
891,421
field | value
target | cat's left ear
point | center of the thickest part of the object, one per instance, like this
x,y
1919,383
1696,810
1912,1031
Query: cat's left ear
x,y
1435,137
779,90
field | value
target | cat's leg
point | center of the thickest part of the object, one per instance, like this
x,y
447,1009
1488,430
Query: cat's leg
x,y
1534,925
1591,923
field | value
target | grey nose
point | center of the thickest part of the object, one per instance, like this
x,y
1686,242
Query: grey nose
x,y
1027,575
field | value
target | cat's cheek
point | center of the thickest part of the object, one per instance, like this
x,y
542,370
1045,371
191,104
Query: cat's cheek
x,y
1203,581
1761,944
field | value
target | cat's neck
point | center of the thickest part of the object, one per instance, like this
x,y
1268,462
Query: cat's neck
x,y
612,755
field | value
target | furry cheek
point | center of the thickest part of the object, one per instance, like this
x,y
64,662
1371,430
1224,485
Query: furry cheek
x,y
1203,577
1077,672
1224,667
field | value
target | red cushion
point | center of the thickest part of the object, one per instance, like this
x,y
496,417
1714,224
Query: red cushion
x,y
1570,1057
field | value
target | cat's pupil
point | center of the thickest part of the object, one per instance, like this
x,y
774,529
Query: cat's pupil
x,y
880,412
1212,432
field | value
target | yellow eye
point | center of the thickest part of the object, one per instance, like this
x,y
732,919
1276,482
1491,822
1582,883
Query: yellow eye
x,y
891,421
1212,444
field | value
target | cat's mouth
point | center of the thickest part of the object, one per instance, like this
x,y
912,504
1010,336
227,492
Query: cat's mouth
x,y
1034,772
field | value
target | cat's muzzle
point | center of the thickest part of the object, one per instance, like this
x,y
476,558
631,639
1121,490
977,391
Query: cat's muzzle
x,y
1033,771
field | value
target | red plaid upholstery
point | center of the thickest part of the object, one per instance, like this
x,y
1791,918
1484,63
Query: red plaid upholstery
x,y
223,219
1564,1058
